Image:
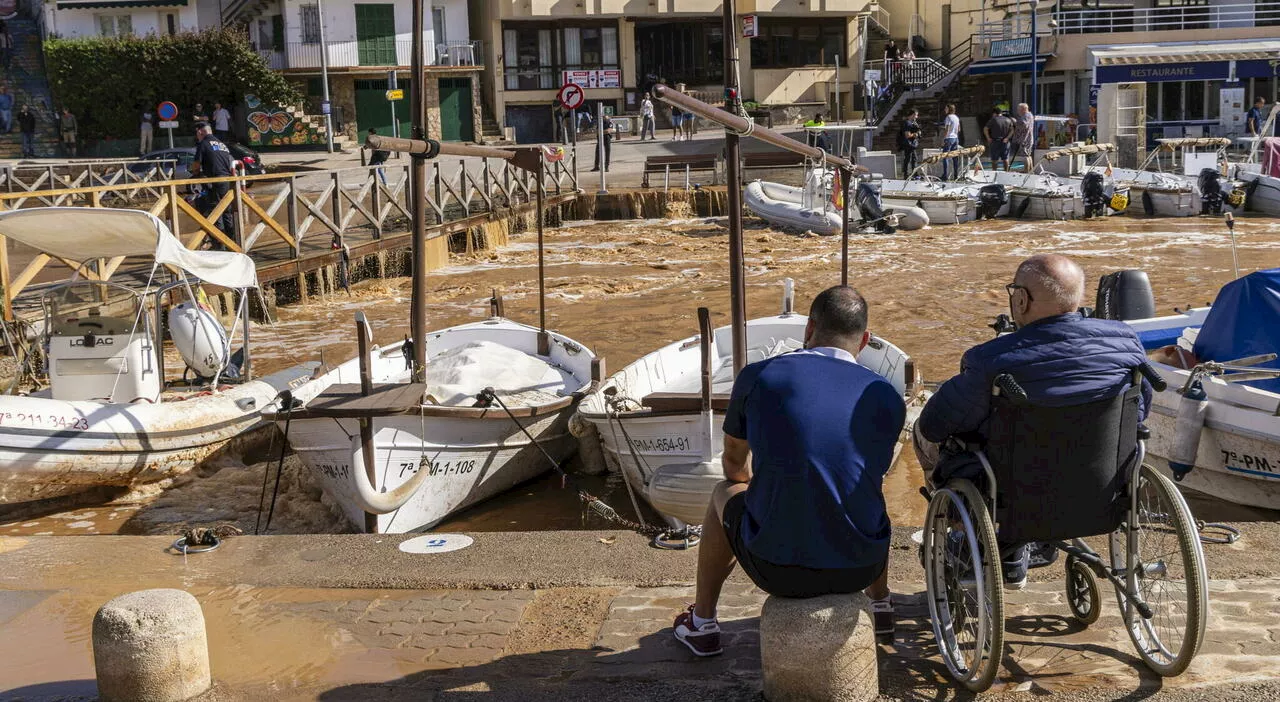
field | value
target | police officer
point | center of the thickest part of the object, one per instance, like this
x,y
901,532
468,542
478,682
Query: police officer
x,y
213,160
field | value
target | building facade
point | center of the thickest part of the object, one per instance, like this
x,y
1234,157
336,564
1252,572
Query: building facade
x,y
113,18
618,49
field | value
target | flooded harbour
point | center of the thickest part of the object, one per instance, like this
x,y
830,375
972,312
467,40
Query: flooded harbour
x,y
625,288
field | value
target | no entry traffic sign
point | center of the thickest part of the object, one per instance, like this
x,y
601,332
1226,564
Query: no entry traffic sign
x,y
571,95
167,111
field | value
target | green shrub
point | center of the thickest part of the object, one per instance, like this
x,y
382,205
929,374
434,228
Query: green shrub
x,y
107,83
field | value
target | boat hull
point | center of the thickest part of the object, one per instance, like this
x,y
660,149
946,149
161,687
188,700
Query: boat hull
x,y
1263,192
51,448
782,205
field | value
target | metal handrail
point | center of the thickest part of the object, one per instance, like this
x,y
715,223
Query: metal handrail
x,y
1176,17
297,54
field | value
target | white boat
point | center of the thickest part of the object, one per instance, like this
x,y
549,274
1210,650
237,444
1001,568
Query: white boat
x,y
1230,440
1046,195
945,202
1164,194
650,419
788,206
432,449
108,415
1262,191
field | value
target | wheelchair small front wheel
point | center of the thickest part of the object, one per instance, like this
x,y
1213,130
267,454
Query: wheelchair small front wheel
x,y
1084,597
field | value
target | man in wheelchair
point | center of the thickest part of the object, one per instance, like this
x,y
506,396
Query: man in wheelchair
x,y
1058,356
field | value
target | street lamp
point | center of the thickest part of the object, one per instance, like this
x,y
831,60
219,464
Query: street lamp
x,y
1035,71
327,107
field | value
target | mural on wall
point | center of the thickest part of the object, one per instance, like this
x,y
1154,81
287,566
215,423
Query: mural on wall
x,y
273,125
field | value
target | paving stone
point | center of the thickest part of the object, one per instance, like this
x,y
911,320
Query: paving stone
x,y
462,615
498,641
640,613
402,628
477,628
433,628
435,604
466,656
431,643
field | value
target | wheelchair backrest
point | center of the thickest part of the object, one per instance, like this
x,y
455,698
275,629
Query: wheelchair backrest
x,y
1062,472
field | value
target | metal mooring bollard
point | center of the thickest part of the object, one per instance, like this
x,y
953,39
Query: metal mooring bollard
x,y
150,646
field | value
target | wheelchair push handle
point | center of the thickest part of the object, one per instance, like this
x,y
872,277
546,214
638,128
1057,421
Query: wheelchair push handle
x,y
1010,388
1153,376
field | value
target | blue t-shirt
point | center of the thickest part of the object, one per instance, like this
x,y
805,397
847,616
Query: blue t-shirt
x,y
822,430
1254,116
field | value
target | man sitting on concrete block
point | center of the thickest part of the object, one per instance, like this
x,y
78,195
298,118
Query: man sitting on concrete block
x,y
807,517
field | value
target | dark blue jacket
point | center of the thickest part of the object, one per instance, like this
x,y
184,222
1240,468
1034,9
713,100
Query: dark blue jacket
x,y
1064,360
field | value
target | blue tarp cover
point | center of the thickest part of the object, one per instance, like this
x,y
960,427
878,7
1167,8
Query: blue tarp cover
x,y
1244,321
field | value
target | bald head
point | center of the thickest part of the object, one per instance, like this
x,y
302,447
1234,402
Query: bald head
x,y
1053,284
838,318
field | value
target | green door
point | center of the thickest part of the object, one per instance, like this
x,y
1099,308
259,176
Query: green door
x,y
373,109
376,34
455,110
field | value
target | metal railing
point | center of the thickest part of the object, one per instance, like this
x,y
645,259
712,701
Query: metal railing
x,y
879,16
1173,18
279,218
343,54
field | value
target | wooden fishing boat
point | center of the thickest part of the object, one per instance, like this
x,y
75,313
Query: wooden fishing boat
x,y
109,415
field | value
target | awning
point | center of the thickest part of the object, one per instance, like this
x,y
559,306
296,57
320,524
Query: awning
x,y
1012,64
1154,63
99,4
85,233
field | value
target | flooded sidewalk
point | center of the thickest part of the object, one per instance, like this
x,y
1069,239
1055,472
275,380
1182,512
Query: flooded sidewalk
x,y
557,616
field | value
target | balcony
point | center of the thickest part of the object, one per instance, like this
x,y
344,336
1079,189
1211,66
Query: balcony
x,y
1263,13
351,54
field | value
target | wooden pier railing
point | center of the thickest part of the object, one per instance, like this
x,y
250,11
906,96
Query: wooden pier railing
x,y
280,217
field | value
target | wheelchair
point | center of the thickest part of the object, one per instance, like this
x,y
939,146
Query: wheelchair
x,y
1064,474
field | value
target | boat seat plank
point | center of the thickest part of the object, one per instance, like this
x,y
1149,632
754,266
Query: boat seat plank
x,y
346,398
344,401
684,401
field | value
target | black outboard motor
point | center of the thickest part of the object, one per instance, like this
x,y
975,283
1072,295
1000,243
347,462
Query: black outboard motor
x,y
1125,295
1211,195
1093,192
871,207
990,199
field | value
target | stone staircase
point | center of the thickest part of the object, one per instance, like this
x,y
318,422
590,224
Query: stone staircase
x,y
29,84
930,103
490,131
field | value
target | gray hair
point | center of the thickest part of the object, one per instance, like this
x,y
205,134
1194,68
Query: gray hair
x,y
838,312
1024,106
1055,279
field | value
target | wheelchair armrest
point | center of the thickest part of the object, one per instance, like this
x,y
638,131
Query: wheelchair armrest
x,y
1143,432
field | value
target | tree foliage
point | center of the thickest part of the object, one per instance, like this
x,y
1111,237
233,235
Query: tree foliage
x,y
108,82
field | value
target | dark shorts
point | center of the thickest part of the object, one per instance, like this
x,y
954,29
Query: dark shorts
x,y
999,150
792,581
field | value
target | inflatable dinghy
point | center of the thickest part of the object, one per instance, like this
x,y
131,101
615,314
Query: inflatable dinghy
x,y
785,206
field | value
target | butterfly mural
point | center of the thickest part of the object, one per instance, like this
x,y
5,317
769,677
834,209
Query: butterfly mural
x,y
274,122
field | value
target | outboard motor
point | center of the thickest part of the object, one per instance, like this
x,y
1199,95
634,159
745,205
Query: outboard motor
x,y
871,207
1211,195
1093,190
1125,295
990,199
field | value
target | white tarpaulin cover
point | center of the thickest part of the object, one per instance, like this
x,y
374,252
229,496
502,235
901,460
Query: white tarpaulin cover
x,y
86,233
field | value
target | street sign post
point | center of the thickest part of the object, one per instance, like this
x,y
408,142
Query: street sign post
x,y
571,97
393,84
168,114
395,95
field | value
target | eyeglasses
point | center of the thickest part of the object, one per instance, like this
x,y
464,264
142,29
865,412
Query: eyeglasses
x,y
1011,287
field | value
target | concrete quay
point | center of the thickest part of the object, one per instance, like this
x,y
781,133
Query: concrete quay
x,y
561,616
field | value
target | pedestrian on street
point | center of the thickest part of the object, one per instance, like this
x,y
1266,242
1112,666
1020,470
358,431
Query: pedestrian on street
x,y
6,46
198,114
27,123
67,125
6,109
677,123
808,438
891,63
213,160
145,131
950,142
909,143
817,137
607,129
646,118
1024,131
998,130
1253,118
377,157
221,122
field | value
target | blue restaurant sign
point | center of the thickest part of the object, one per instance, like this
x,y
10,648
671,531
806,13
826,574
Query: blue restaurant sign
x,y
1159,72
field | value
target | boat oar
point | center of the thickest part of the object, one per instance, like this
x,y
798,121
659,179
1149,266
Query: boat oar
x,y
1231,226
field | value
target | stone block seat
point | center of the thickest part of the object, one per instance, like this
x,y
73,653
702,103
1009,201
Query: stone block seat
x,y
819,648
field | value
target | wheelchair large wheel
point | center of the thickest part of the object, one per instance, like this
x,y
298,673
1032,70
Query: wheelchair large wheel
x,y
1084,597
965,592
1160,554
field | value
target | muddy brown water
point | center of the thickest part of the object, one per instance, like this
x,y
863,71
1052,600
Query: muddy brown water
x,y
626,288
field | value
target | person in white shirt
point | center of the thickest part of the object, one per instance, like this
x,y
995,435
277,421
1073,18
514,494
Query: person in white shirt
x,y
950,142
145,132
221,122
646,117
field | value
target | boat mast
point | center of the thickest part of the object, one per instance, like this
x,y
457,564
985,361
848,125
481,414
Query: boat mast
x,y
733,174
417,200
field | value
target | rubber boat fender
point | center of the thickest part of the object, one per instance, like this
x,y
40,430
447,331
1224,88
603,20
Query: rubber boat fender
x,y
372,501
1022,208
1148,204
1192,407
200,339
